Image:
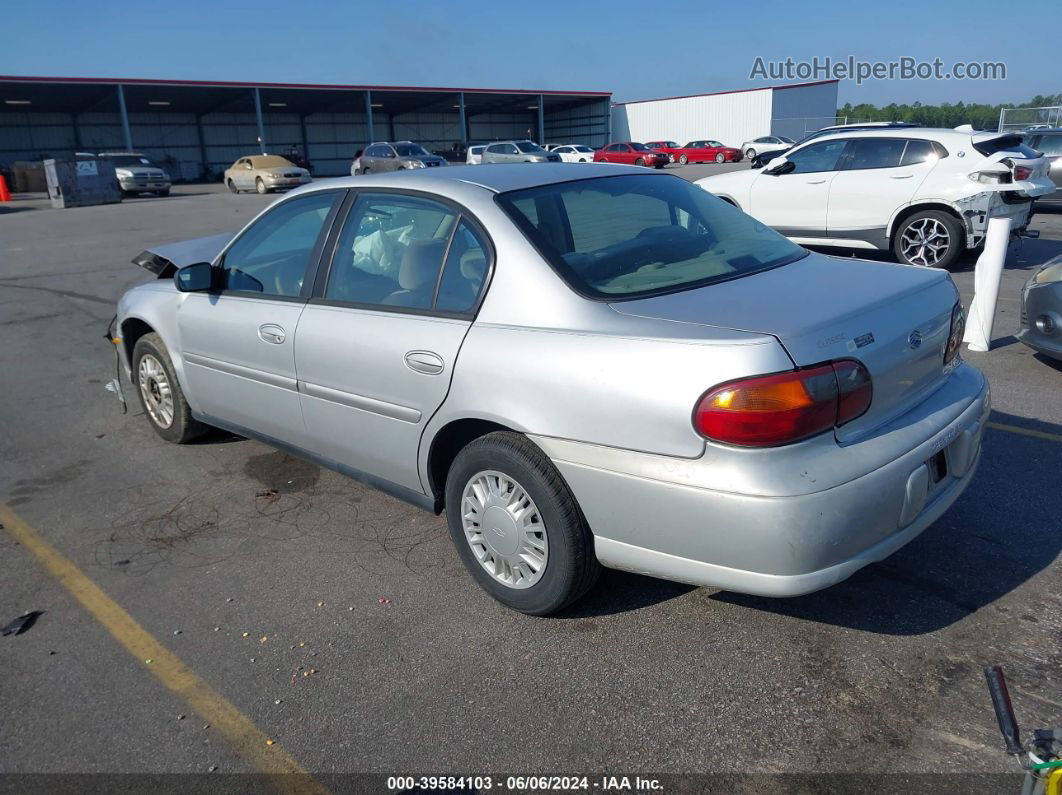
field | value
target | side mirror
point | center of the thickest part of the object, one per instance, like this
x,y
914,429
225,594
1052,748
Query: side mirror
x,y
198,278
779,165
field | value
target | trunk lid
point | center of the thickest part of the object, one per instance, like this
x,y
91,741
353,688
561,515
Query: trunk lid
x,y
893,318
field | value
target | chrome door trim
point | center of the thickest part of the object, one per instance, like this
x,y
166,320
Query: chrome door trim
x,y
272,379
372,405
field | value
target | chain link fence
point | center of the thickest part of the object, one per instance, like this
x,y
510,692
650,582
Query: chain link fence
x,y
1020,119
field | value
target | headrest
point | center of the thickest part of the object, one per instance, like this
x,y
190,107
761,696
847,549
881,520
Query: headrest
x,y
474,265
420,263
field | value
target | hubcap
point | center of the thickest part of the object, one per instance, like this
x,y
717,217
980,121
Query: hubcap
x,y
155,390
925,242
504,529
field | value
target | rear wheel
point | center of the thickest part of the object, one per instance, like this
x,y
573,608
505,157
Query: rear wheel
x,y
160,394
232,187
164,193
720,158
260,186
517,526
930,239
683,160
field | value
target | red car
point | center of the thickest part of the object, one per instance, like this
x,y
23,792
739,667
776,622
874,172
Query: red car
x,y
631,153
707,152
669,148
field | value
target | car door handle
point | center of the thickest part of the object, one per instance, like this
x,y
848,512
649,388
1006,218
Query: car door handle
x,y
900,176
816,181
271,332
425,362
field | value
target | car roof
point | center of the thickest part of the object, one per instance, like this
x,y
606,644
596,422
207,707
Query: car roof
x,y
941,134
494,177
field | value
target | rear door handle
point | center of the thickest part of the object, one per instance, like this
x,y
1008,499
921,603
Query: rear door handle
x,y
900,176
816,181
271,332
425,362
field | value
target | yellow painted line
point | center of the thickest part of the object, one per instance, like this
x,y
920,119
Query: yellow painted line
x,y
999,426
256,748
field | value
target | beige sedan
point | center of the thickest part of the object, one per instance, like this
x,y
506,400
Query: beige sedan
x,y
264,173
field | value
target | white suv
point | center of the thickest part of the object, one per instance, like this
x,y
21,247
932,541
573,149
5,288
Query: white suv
x,y
926,194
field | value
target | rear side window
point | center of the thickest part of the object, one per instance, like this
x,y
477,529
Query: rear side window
x,y
866,153
922,152
1049,145
633,235
817,157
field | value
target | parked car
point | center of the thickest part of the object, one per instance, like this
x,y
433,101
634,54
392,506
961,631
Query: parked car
x,y
1041,310
574,153
925,194
1049,144
517,152
765,144
397,155
475,154
264,173
137,174
581,367
763,158
708,152
630,153
669,148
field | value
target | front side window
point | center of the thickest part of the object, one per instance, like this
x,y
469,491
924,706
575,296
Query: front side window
x,y
640,148
272,256
527,147
392,248
875,153
583,149
816,157
631,236
411,150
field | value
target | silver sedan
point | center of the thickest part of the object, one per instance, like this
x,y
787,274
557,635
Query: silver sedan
x,y
581,367
1041,310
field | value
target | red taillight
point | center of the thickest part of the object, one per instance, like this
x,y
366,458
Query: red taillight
x,y
772,410
1021,172
955,334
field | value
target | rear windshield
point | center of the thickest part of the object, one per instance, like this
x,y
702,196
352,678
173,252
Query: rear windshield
x,y
1013,144
635,235
527,146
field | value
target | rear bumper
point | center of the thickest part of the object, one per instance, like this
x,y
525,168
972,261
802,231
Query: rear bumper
x,y
648,518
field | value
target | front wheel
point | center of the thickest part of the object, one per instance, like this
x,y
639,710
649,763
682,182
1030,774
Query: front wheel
x,y
683,160
720,158
164,193
640,161
160,394
930,239
517,526
750,153
232,187
260,186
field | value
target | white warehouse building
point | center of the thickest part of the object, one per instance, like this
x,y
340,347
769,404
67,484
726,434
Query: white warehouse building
x,y
731,117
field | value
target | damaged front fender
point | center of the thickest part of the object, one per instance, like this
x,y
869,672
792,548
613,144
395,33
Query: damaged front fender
x,y
165,260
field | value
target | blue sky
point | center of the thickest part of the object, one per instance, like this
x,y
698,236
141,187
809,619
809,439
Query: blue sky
x,y
634,49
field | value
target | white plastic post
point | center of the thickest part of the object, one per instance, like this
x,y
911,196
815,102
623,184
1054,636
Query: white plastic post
x,y
987,274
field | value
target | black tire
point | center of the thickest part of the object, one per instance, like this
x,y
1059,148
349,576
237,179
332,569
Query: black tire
x,y
571,568
232,187
683,160
956,241
164,193
720,158
640,161
260,186
183,427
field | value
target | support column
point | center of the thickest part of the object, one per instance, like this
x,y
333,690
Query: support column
x,y
608,121
461,116
125,120
258,117
77,132
541,121
202,144
368,117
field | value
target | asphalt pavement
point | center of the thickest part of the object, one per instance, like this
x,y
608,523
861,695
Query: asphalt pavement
x,y
340,622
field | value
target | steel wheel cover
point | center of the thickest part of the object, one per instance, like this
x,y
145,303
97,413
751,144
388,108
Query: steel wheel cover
x,y
504,529
925,242
155,390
